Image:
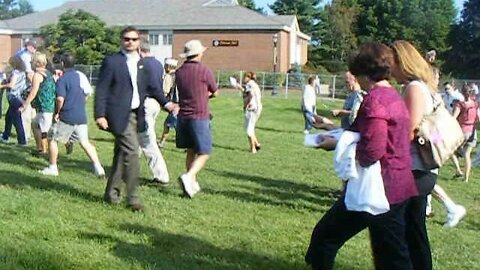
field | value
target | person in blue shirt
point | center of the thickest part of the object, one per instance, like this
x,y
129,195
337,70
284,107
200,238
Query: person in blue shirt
x,y
70,117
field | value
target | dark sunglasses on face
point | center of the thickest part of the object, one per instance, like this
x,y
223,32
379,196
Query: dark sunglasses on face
x,y
127,39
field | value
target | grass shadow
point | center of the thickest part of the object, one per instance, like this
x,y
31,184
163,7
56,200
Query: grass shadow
x,y
165,250
230,148
278,192
277,130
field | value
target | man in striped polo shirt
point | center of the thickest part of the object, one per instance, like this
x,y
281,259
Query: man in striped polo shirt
x,y
195,84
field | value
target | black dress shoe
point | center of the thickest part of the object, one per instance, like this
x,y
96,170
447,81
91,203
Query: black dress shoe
x,y
136,207
258,147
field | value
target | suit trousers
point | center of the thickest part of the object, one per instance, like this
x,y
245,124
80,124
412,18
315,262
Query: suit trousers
x,y
125,167
387,236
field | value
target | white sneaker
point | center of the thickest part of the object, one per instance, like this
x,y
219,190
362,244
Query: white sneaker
x,y
196,187
428,211
49,171
99,172
306,132
454,218
2,140
187,185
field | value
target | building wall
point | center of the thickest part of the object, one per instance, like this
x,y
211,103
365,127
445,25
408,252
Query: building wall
x,y
284,51
304,51
16,44
254,50
5,51
9,45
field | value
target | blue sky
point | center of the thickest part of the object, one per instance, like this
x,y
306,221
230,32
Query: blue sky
x,y
40,5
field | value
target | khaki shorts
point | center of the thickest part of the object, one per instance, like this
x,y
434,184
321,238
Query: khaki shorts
x,y
44,121
62,132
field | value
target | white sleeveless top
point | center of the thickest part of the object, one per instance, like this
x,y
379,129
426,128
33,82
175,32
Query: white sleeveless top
x,y
417,163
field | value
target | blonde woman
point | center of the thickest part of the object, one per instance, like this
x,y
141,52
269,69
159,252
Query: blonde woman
x,y
252,106
42,97
170,91
416,73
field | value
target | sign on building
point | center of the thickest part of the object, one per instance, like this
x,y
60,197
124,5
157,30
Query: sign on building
x,y
224,43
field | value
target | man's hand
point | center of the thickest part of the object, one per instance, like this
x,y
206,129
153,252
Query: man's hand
x,y
173,108
56,118
102,123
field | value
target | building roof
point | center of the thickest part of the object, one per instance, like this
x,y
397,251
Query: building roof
x,y
158,15
285,19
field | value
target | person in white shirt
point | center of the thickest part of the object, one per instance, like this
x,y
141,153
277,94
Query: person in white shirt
x,y
252,107
450,96
309,104
26,54
316,85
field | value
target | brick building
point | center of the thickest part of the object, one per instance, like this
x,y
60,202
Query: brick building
x,y
238,38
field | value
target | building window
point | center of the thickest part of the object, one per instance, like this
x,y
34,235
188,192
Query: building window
x,y
167,39
153,39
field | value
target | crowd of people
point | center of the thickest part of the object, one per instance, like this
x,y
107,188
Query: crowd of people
x,y
50,97
133,87
386,122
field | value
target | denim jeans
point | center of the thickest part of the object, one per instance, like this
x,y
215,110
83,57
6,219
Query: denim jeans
x,y
13,117
308,119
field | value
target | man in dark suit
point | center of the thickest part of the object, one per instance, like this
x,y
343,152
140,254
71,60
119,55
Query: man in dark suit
x,y
119,109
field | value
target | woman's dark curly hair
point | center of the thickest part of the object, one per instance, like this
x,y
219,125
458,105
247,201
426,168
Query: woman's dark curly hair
x,y
374,60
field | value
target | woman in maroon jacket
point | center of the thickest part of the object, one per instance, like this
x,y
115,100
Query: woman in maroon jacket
x,y
383,124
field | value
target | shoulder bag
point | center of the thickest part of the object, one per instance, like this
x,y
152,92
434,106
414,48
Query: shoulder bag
x,y
438,136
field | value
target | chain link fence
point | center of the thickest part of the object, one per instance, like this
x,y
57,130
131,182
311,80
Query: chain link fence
x,y
278,84
283,84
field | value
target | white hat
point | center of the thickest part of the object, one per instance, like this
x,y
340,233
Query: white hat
x,y
192,47
171,62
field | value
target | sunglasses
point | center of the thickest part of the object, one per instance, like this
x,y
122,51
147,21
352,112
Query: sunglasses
x,y
127,39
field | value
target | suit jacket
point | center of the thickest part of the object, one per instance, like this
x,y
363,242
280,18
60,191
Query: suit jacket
x,y
114,92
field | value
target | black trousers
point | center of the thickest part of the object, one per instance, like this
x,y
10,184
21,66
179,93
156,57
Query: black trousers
x,y
387,235
416,229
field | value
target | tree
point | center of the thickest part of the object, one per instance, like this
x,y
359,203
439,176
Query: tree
x,y
251,5
336,29
11,8
82,34
464,57
307,13
426,23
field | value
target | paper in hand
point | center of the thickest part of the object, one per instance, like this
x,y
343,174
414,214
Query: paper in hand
x,y
233,82
314,140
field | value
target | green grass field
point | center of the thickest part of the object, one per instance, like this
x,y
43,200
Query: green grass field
x,y
254,211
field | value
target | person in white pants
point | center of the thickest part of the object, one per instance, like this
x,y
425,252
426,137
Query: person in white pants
x,y
148,138
148,144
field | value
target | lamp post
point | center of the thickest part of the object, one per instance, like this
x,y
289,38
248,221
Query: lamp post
x,y
275,41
